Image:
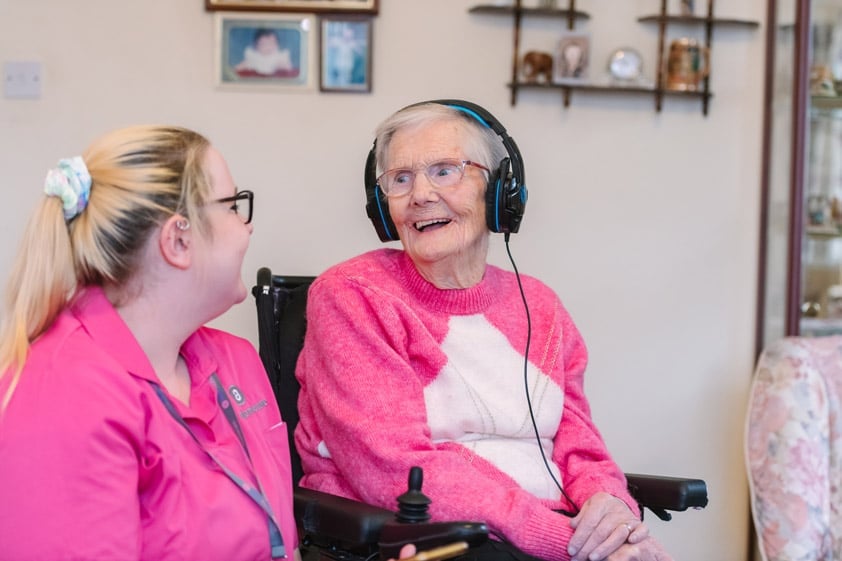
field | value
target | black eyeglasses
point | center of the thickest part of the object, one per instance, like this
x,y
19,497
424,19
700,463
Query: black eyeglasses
x,y
243,204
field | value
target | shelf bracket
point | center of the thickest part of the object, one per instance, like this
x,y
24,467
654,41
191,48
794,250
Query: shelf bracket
x,y
515,50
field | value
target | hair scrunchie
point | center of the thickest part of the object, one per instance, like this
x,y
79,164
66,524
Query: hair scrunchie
x,y
71,183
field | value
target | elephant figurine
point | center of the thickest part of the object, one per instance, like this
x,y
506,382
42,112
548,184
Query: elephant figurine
x,y
537,66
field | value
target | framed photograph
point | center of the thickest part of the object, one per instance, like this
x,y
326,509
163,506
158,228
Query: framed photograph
x,y
261,51
345,56
313,6
571,63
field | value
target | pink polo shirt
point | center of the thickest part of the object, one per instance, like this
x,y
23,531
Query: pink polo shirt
x,y
93,466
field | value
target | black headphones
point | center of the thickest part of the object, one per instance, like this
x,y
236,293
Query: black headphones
x,y
505,195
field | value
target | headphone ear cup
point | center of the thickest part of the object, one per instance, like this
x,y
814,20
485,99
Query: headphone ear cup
x,y
377,206
495,197
515,207
377,209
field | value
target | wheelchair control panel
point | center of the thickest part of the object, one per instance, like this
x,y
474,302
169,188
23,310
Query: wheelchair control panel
x,y
411,524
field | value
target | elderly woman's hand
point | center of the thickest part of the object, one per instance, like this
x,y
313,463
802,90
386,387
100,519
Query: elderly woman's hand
x,y
603,525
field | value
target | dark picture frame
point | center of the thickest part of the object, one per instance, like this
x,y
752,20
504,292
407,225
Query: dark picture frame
x,y
345,54
313,6
243,61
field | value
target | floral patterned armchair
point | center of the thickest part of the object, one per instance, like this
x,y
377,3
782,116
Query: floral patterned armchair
x,y
794,449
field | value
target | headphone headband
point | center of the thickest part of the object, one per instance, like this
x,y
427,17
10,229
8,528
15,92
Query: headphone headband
x,y
505,193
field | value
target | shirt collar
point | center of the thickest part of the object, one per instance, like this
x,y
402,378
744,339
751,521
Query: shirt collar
x,y
101,321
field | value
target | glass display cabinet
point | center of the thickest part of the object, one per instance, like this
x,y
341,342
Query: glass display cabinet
x,y
800,281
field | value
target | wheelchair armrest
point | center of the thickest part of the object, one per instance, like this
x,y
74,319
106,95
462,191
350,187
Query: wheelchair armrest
x,y
660,494
427,535
338,524
339,520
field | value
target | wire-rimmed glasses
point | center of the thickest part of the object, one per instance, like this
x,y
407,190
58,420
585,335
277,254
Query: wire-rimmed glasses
x,y
443,173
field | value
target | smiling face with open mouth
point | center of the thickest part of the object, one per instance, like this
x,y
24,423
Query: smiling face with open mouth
x,y
441,228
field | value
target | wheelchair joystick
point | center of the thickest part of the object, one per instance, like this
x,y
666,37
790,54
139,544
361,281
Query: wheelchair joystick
x,y
411,524
413,506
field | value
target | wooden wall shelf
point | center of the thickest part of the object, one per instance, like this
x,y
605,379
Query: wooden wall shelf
x,y
629,89
697,20
573,16
543,12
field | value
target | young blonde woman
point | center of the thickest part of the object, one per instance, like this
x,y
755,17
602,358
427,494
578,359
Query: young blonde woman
x,y
127,429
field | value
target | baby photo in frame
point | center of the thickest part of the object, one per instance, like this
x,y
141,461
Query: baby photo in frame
x,y
571,62
265,51
345,55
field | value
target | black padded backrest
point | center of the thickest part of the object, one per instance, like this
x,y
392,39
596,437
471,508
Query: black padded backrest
x,y
281,321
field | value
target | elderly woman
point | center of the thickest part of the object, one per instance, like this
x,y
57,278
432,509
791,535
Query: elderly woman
x,y
127,429
418,357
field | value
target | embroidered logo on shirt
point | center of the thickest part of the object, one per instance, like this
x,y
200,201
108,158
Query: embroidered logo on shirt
x,y
240,399
238,396
245,414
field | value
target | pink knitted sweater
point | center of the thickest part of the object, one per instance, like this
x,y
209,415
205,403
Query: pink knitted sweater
x,y
396,373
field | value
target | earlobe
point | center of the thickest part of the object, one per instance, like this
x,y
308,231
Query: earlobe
x,y
176,242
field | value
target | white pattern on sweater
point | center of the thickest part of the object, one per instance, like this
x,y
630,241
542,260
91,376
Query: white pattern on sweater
x,y
478,400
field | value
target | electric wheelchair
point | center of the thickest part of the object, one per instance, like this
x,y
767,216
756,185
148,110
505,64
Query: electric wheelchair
x,y
340,529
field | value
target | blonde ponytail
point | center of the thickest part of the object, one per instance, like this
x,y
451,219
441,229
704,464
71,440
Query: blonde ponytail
x,y
43,279
138,177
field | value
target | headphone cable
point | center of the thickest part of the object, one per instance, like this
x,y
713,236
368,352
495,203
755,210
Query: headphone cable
x,y
526,383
